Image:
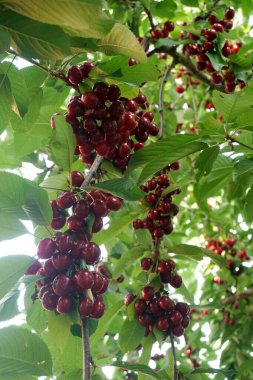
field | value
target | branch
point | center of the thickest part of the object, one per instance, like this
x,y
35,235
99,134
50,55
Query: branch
x,y
86,348
185,61
239,142
97,162
235,297
150,18
55,74
167,71
175,374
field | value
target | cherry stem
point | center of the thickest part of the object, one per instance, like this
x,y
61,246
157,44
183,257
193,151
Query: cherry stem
x,y
239,142
167,71
55,74
185,61
86,348
97,162
175,375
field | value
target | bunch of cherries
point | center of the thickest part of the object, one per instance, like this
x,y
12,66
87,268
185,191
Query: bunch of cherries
x,y
105,123
156,308
161,209
207,43
157,33
69,277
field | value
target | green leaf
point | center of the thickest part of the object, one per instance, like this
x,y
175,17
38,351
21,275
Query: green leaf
x,y
246,367
131,335
157,155
37,205
163,8
232,105
56,182
138,368
56,325
245,121
126,259
5,101
122,187
71,358
196,253
34,39
248,206
243,168
5,40
214,370
104,323
12,194
12,269
9,309
23,352
139,73
205,160
83,18
36,316
217,61
120,40
64,144
10,226
147,344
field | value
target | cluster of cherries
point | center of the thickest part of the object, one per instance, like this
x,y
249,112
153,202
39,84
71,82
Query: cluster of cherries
x,y
157,33
161,209
206,43
157,308
107,124
67,279
227,249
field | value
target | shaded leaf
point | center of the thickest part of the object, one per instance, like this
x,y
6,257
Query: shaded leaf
x,y
130,336
138,368
123,188
196,253
205,160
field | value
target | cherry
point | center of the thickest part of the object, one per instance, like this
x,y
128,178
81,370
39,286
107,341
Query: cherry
x,y
49,300
74,75
140,99
208,46
128,299
98,309
183,308
86,148
145,320
229,14
75,108
40,272
230,77
169,26
178,330
186,321
64,304
218,27
76,224
33,268
113,93
176,281
212,19
110,126
230,87
217,78
130,105
113,203
116,109
137,224
84,279
81,209
97,225
163,323
98,282
85,307
99,207
49,269
154,307
46,248
91,253
180,89
103,148
89,124
201,66
89,100
146,263
166,303
176,318
44,289
76,178
138,146
132,62
58,222
147,293
140,307
66,200
210,34
104,287
61,284
100,89
61,262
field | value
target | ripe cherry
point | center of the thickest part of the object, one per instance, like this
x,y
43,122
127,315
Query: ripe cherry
x,y
46,248
113,203
98,309
176,281
178,330
64,304
176,318
76,224
113,93
98,282
163,323
100,89
74,75
166,303
147,293
85,307
81,209
91,253
49,300
61,285
99,207
140,307
84,279
66,200
146,263
229,14
33,268
85,68
89,100
128,299
62,261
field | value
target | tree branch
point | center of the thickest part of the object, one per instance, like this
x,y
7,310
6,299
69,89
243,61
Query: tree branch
x,y
167,71
97,162
86,348
175,372
185,61
235,297
149,15
239,142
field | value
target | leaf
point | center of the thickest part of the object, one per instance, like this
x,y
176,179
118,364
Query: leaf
x,y
115,228
122,187
56,325
232,105
130,335
226,373
83,18
23,352
34,39
12,269
162,8
56,182
71,358
12,194
5,40
157,155
120,40
205,160
104,323
147,344
248,206
217,61
126,259
10,226
37,205
243,168
246,367
63,144
5,101
196,253
138,368
9,309
139,73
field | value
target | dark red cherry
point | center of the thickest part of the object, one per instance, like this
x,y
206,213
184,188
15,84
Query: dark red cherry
x,y
186,321
145,319
97,225
98,282
169,26
49,300
166,303
176,318
85,69
176,281
116,109
140,307
163,323
76,224
99,207
91,253
81,209
153,129
90,124
229,14
128,299
49,269
140,99
61,284
147,293
84,279
75,109
89,100
113,93
66,200
64,242
36,265
64,304
100,112
58,222
183,308
85,307
46,248
130,105
217,78
98,309
62,261
113,203
110,126
146,263
100,89
76,178
178,330
230,77
74,75
210,34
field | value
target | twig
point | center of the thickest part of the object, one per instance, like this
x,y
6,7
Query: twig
x,y
185,61
239,142
235,297
55,74
97,162
175,373
167,71
149,15
86,348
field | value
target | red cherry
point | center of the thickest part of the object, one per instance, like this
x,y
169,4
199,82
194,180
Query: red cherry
x,y
98,282
61,262
140,307
147,293
146,263
66,200
99,207
64,304
230,87
85,68
49,269
176,318
110,126
89,124
138,146
186,321
212,19
76,224
163,323
97,225
176,281
100,112
116,109
208,46
130,105
91,253
183,308
84,279
100,89
169,26
89,100
178,330
113,203
81,209
166,303
230,77
128,299
113,93
218,27
85,307
75,108
217,78
103,148
49,300
124,149
210,34
33,268
137,224
61,285
98,309
145,320
46,248
180,89
74,75
58,222
64,243
229,14
76,178
140,99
